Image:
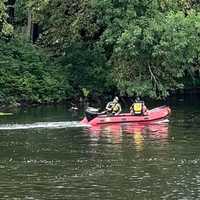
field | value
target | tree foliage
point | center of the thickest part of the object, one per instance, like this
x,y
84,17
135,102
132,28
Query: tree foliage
x,y
141,47
5,27
149,45
26,75
22,8
154,59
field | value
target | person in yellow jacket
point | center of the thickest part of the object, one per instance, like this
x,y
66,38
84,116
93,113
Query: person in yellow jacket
x,y
113,107
138,107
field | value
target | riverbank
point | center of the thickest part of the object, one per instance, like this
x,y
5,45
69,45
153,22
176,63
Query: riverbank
x,y
78,103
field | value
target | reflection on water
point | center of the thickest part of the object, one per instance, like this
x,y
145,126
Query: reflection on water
x,y
139,132
138,139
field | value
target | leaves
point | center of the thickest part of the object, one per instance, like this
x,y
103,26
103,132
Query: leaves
x,y
5,28
149,46
146,48
27,75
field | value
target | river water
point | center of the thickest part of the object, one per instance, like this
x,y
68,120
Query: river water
x,y
46,154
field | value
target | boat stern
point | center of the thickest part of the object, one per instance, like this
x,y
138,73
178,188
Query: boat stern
x,y
84,121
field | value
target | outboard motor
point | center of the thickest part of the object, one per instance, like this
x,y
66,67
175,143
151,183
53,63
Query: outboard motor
x,y
91,113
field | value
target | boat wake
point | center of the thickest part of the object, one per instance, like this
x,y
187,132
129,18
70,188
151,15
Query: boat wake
x,y
42,125
164,121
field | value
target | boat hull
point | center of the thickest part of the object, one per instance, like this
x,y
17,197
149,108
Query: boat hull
x,y
155,114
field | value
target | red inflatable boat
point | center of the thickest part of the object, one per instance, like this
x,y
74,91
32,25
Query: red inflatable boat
x,y
92,116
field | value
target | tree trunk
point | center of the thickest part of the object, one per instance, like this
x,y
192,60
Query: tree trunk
x,y
29,25
11,13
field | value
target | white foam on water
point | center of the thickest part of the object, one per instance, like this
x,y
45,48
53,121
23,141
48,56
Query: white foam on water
x,y
162,121
40,125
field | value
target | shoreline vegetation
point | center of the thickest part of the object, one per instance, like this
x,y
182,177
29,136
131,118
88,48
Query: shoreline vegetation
x,y
57,51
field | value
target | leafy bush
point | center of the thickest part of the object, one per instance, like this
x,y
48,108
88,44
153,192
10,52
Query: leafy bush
x,y
27,75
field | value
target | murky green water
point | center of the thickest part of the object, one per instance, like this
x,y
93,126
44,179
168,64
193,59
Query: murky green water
x,y
65,161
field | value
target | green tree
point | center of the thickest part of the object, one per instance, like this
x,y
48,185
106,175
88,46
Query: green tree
x,y
5,28
28,13
130,35
143,47
28,75
154,58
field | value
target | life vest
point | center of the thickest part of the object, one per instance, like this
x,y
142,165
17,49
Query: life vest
x,y
138,108
116,107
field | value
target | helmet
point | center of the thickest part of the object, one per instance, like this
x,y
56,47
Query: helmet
x,y
137,99
116,99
